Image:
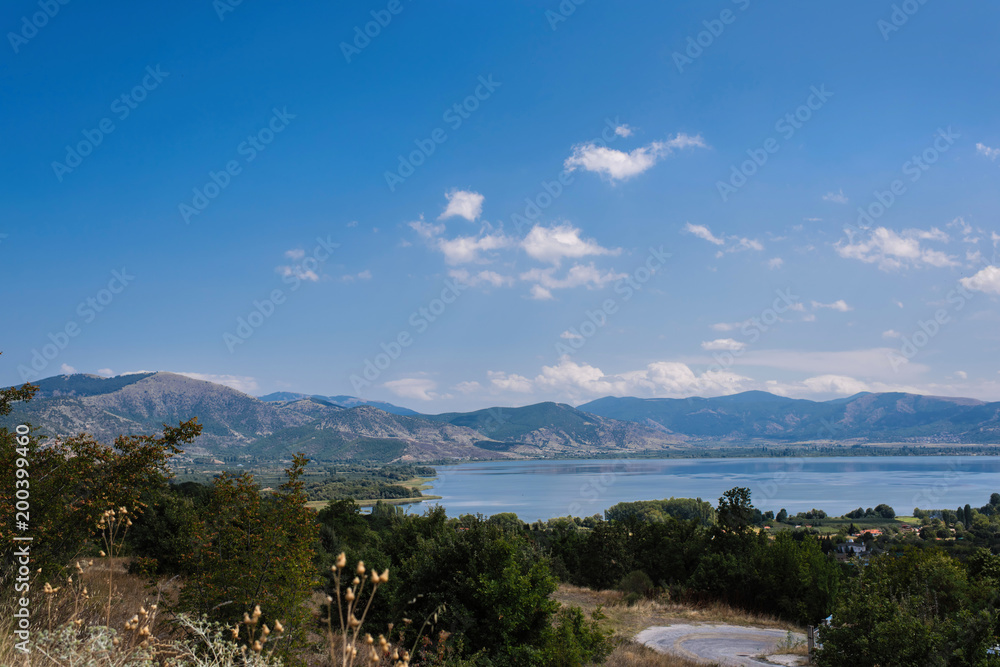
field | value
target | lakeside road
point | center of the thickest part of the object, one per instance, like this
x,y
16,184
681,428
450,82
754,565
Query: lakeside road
x,y
716,643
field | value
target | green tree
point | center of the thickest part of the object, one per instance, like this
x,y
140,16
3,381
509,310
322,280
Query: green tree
x,y
495,586
915,608
253,549
71,483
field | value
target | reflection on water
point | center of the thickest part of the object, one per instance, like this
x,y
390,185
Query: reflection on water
x,y
546,489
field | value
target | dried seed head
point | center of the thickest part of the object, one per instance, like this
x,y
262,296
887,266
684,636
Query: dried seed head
x,y
144,632
103,554
264,630
369,639
278,627
356,581
354,622
235,632
257,647
384,577
341,560
349,595
361,567
374,577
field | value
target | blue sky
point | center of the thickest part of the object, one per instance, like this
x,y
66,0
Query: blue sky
x,y
463,208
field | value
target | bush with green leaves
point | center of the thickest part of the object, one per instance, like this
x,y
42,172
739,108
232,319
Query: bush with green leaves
x,y
253,549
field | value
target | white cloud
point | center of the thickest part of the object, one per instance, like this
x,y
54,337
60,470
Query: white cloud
x,y
569,335
987,280
966,229
736,243
539,293
618,165
352,223
488,277
468,249
242,383
66,369
775,263
363,275
892,250
703,232
870,362
835,384
962,375
623,130
729,344
839,305
297,269
836,197
464,204
809,317
991,153
470,387
579,275
510,382
891,333
728,326
552,244
426,230
416,388
745,244
106,372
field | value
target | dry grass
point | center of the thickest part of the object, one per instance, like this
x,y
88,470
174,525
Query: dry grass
x,y
82,598
631,654
626,621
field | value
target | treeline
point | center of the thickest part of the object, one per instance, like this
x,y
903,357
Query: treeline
x,y
367,482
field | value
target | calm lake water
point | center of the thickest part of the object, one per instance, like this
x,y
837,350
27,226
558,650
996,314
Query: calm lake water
x,y
545,489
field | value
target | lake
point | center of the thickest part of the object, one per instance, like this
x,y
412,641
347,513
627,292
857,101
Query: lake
x,y
552,488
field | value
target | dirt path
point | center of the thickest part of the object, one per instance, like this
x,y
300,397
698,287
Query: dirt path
x,y
716,643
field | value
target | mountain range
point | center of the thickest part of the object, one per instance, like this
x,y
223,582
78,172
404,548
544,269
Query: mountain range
x,y
349,428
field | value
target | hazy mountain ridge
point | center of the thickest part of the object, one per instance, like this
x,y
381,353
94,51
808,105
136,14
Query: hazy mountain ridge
x,y
888,416
236,423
